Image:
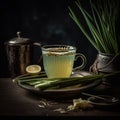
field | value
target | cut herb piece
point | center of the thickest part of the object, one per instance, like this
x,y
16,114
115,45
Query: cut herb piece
x,y
57,83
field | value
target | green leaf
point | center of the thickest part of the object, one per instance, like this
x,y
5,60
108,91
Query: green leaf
x,y
102,24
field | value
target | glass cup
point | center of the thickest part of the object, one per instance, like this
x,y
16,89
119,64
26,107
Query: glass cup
x,y
58,60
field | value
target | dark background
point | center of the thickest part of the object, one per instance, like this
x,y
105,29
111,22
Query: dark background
x,y
44,21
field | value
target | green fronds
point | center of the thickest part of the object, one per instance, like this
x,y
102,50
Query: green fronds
x,y
102,24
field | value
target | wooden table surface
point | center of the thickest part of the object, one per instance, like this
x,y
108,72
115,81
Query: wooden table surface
x,y
15,101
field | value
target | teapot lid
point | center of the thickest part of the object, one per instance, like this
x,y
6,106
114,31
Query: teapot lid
x,y
18,40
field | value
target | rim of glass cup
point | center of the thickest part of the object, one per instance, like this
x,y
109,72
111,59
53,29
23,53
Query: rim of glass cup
x,y
69,47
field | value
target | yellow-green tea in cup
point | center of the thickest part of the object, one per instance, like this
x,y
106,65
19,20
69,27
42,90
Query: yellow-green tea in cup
x,y
58,60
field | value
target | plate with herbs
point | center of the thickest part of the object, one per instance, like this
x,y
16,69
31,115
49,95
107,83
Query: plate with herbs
x,y
39,83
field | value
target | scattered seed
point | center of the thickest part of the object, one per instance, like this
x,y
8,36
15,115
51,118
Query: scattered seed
x,y
41,106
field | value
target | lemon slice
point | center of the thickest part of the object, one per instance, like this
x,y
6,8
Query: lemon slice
x,y
33,69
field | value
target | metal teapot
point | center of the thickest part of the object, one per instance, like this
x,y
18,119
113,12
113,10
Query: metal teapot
x,y
19,53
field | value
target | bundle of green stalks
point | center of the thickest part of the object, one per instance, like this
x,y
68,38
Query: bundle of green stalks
x,y
42,82
102,22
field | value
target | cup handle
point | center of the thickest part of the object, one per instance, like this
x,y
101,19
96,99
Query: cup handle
x,y
39,45
84,61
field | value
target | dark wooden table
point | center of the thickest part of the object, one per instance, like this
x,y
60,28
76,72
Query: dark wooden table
x,y
15,101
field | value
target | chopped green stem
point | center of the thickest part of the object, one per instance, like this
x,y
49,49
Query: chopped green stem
x,y
56,83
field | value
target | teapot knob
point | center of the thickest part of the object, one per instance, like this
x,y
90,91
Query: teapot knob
x,y
18,34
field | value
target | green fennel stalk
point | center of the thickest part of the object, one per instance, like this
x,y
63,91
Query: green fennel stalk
x,y
56,83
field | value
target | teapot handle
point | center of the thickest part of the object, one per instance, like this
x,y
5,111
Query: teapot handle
x,y
39,45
